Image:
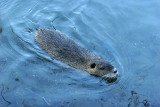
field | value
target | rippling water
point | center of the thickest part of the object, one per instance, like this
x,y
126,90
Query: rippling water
x,y
124,32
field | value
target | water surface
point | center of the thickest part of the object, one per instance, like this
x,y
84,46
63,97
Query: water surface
x,y
124,32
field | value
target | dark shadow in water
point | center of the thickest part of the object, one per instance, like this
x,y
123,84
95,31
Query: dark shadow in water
x,y
107,80
135,101
0,30
112,80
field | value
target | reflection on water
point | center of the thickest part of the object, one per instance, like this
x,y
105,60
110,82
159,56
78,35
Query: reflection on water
x,y
124,33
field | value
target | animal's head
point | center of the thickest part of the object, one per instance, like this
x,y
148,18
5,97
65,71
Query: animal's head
x,y
101,68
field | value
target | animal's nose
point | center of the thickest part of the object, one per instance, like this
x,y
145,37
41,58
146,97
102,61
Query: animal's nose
x,y
115,70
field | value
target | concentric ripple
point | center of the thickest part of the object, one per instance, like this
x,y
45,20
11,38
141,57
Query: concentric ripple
x,y
124,33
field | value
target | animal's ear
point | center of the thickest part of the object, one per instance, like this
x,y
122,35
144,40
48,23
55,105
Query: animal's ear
x,y
93,65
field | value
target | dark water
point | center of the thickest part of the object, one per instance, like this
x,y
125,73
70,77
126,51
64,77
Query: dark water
x,y
124,32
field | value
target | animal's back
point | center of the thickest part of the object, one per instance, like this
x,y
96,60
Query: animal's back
x,y
62,47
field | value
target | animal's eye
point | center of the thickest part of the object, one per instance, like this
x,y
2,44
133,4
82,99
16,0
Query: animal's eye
x,y
102,68
93,65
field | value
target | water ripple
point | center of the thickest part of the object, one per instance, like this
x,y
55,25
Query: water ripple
x,y
125,34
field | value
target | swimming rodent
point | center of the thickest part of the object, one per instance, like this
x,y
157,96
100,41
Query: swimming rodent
x,y
63,48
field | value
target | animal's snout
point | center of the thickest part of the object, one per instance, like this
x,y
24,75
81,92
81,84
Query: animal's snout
x,y
115,71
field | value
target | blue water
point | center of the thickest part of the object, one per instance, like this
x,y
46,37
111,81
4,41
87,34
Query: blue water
x,y
124,32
